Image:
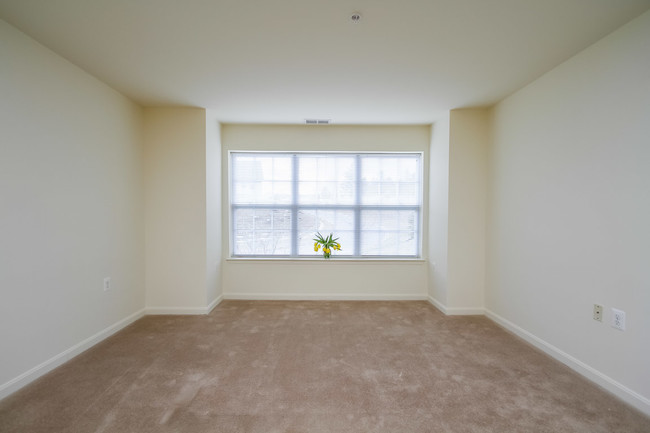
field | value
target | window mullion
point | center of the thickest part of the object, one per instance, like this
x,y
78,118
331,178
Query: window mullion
x,y
357,208
294,205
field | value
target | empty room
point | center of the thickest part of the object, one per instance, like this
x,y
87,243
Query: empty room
x,y
324,216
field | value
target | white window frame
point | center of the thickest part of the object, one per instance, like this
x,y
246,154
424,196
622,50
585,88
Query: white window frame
x,y
357,208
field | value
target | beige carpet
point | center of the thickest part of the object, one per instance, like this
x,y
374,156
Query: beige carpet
x,y
315,367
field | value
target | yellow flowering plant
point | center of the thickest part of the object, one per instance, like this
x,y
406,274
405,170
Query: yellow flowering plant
x,y
328,243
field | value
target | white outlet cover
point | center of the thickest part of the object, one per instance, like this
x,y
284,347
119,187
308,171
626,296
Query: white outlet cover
x,y
598,312
618,319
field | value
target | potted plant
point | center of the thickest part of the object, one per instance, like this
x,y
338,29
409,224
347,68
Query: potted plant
x,y
328,243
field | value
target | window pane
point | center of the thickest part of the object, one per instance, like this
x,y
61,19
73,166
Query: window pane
x,y
408,193
326,179
408,244
262,232
390,243
389,232
264,192
261,179
306,243
339,222
390,180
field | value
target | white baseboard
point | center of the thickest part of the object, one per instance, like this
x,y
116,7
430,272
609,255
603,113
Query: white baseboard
x,y
439,305
186,311
192,311
320,297
18,382
467,311
213,304
626,394
454,311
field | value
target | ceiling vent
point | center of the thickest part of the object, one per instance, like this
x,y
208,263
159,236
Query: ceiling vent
x,y
317,121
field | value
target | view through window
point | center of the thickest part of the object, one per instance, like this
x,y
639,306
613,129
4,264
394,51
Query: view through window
x,y
371,201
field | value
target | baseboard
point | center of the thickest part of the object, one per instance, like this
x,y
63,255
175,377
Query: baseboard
x,y
18,382
49,365
320,297
439,305
192,311
213,304
185,311
455,311
626,394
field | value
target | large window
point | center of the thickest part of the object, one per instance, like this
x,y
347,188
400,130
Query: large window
x,y
371,201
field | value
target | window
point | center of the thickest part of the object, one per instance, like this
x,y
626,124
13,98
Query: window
x,y
371,201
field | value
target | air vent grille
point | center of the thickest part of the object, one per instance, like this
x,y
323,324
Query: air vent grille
x,y
317,121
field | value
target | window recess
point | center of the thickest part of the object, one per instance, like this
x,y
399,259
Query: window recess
x,y
371,201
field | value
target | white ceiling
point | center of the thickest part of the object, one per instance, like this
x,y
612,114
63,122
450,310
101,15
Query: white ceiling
x,y
281,61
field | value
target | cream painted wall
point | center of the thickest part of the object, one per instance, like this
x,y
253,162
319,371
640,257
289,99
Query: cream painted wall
x,y
439,212
71,210
286,279
175,210
468,147
569,211
299,279
457,191
213,208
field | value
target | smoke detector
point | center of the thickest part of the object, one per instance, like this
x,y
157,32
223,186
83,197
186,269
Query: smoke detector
x,y
355,17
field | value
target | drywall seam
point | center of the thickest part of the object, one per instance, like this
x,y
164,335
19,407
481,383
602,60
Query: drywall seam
x,y
29,376
626,394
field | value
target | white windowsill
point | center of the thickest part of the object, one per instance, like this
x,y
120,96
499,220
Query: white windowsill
x,y
338,260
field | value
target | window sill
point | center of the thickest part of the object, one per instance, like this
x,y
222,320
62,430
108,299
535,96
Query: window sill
x,y
337,260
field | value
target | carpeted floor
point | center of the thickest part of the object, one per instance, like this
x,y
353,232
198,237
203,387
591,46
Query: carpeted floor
x,y
315,367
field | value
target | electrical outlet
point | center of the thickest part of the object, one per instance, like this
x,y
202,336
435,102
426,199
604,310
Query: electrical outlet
x,y
598,312
618,319
107,284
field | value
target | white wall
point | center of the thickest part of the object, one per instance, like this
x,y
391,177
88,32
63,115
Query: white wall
x,y
213,209
457,191
439,212
569,211
70,210
176,210
289,279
